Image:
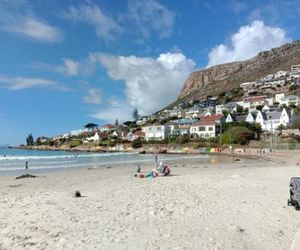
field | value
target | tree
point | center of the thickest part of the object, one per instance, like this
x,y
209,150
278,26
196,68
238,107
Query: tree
x,y
29,140
259,107
117,122
281,127
135,114
136,143
239,109
90,126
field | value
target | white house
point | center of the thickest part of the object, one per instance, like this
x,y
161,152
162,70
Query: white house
x,y
255,101
295,70
270,121
193,112
219,109
108,128
156,132
250,117
279,97
95,138
204,129
78,132
208,127
280,74
289,100
142,120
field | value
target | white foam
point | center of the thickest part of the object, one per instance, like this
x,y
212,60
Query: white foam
x,y
33,157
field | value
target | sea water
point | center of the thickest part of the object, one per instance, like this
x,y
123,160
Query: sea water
x,y
12,161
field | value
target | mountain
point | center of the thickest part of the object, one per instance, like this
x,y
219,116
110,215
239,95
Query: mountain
x,y
224,77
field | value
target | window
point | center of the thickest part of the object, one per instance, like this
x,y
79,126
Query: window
x,y
201,128
210,128
158,128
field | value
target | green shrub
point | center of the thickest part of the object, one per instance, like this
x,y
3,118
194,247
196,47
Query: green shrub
x,y
136,144
238,135
107,143
293,87
75,143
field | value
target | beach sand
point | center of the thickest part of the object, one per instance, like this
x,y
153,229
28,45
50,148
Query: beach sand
x,y
233,205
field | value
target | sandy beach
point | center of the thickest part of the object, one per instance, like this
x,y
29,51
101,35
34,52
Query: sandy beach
x,y
226,204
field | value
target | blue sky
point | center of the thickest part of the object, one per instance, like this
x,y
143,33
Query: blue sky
x,y
66,63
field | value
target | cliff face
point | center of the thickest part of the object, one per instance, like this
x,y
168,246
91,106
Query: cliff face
x,y
224,77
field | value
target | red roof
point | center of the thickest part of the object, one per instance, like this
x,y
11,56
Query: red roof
x,y
212,117
205,123
208,120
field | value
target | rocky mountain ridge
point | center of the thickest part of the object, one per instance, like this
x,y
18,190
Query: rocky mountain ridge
x,y
224,77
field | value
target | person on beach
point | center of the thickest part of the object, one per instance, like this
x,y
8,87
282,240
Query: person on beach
x,y
155,161
138,170
161,170
26,166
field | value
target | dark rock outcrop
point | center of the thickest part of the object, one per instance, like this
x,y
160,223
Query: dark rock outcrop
x,y
216,79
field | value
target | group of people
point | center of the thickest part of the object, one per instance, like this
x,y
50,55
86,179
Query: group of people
x,y
159,170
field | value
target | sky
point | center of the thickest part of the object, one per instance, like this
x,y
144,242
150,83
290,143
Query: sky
x,y
66,63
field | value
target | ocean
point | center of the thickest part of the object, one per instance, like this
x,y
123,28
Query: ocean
x,y
12,161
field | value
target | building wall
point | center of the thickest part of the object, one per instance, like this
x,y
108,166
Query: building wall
x,y
156,132
207,131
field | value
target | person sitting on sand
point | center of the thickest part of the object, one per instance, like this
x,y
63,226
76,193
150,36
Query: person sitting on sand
x,y
161,170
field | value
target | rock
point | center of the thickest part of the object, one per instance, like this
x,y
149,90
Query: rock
x,y
221,78
239,229
77,194
26,176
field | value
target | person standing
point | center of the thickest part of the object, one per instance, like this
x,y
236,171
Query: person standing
x,y
26,166
155,161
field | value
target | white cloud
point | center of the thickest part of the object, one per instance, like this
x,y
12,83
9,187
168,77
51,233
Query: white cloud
x,y
150,83
17,17
19,83
93,96
92,14
150,15
35,29
247,42
70,67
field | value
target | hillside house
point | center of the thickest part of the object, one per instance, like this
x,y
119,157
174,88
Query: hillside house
x,y
270,121
235,118
295,71
289,100
255,101
208,127
156,132
108,128
95,138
